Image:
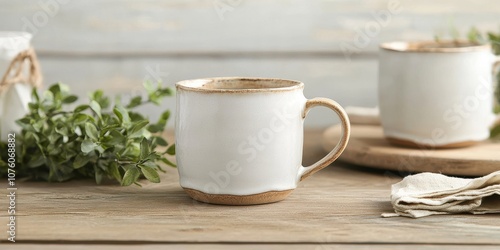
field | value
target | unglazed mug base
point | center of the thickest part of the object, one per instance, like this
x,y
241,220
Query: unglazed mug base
x,y
412,144
238,200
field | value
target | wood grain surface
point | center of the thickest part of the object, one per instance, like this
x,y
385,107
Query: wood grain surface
x,y
368,147
339,207
232,246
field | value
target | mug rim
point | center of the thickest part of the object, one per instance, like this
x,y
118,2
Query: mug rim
x,y
435,46
198,85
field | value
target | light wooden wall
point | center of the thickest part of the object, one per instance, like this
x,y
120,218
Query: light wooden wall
x,y
115,44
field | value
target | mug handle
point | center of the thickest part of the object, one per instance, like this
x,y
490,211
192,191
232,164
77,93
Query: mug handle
x,y
341,145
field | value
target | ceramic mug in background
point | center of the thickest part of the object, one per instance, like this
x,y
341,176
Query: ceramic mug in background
x,y
14,98
239,140
434,94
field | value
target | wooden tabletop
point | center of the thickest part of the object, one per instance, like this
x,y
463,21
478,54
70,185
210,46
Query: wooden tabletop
x,y
337,208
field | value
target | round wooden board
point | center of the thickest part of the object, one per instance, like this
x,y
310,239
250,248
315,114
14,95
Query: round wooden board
x,y
368,147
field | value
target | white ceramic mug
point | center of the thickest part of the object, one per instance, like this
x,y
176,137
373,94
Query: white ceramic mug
x,y
239,140
14,99
437,95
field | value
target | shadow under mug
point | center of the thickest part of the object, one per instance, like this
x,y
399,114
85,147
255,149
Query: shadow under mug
x,y
436,94
239,140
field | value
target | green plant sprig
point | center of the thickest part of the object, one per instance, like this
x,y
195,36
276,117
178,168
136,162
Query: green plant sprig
x,y
90,141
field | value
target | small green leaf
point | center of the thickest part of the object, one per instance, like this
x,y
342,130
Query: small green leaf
x,y
48,97
91,131
80,118
150,174
63,88
96,95
70,99
165,115
118,114
41,114
99,97
495,132
138,126
112,126
115,138
171,150
165,92
144,149
55,89
154,98
160,125
155,128
77,130
100,149
80,161
135,117
62,131
114,171
122,114
160,141
33,106
136,101
88,146
36,161
166,161
53,138
24,121
150,88
96,108
130,176
150,164
34,94
81,108
98,175
38,125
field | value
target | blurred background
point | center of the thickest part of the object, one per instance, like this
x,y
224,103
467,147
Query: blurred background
x,y
330,45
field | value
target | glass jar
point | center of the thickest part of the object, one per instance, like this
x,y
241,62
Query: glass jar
x,y
14,98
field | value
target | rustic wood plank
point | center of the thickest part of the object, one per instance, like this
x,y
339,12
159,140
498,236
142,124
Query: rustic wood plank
x,y
216,246
124,26
341,204
349,83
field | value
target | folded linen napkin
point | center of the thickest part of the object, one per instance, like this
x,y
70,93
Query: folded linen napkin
x,y
427,194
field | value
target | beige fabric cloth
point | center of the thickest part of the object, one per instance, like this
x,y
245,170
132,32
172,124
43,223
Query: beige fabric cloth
x,y
428,194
